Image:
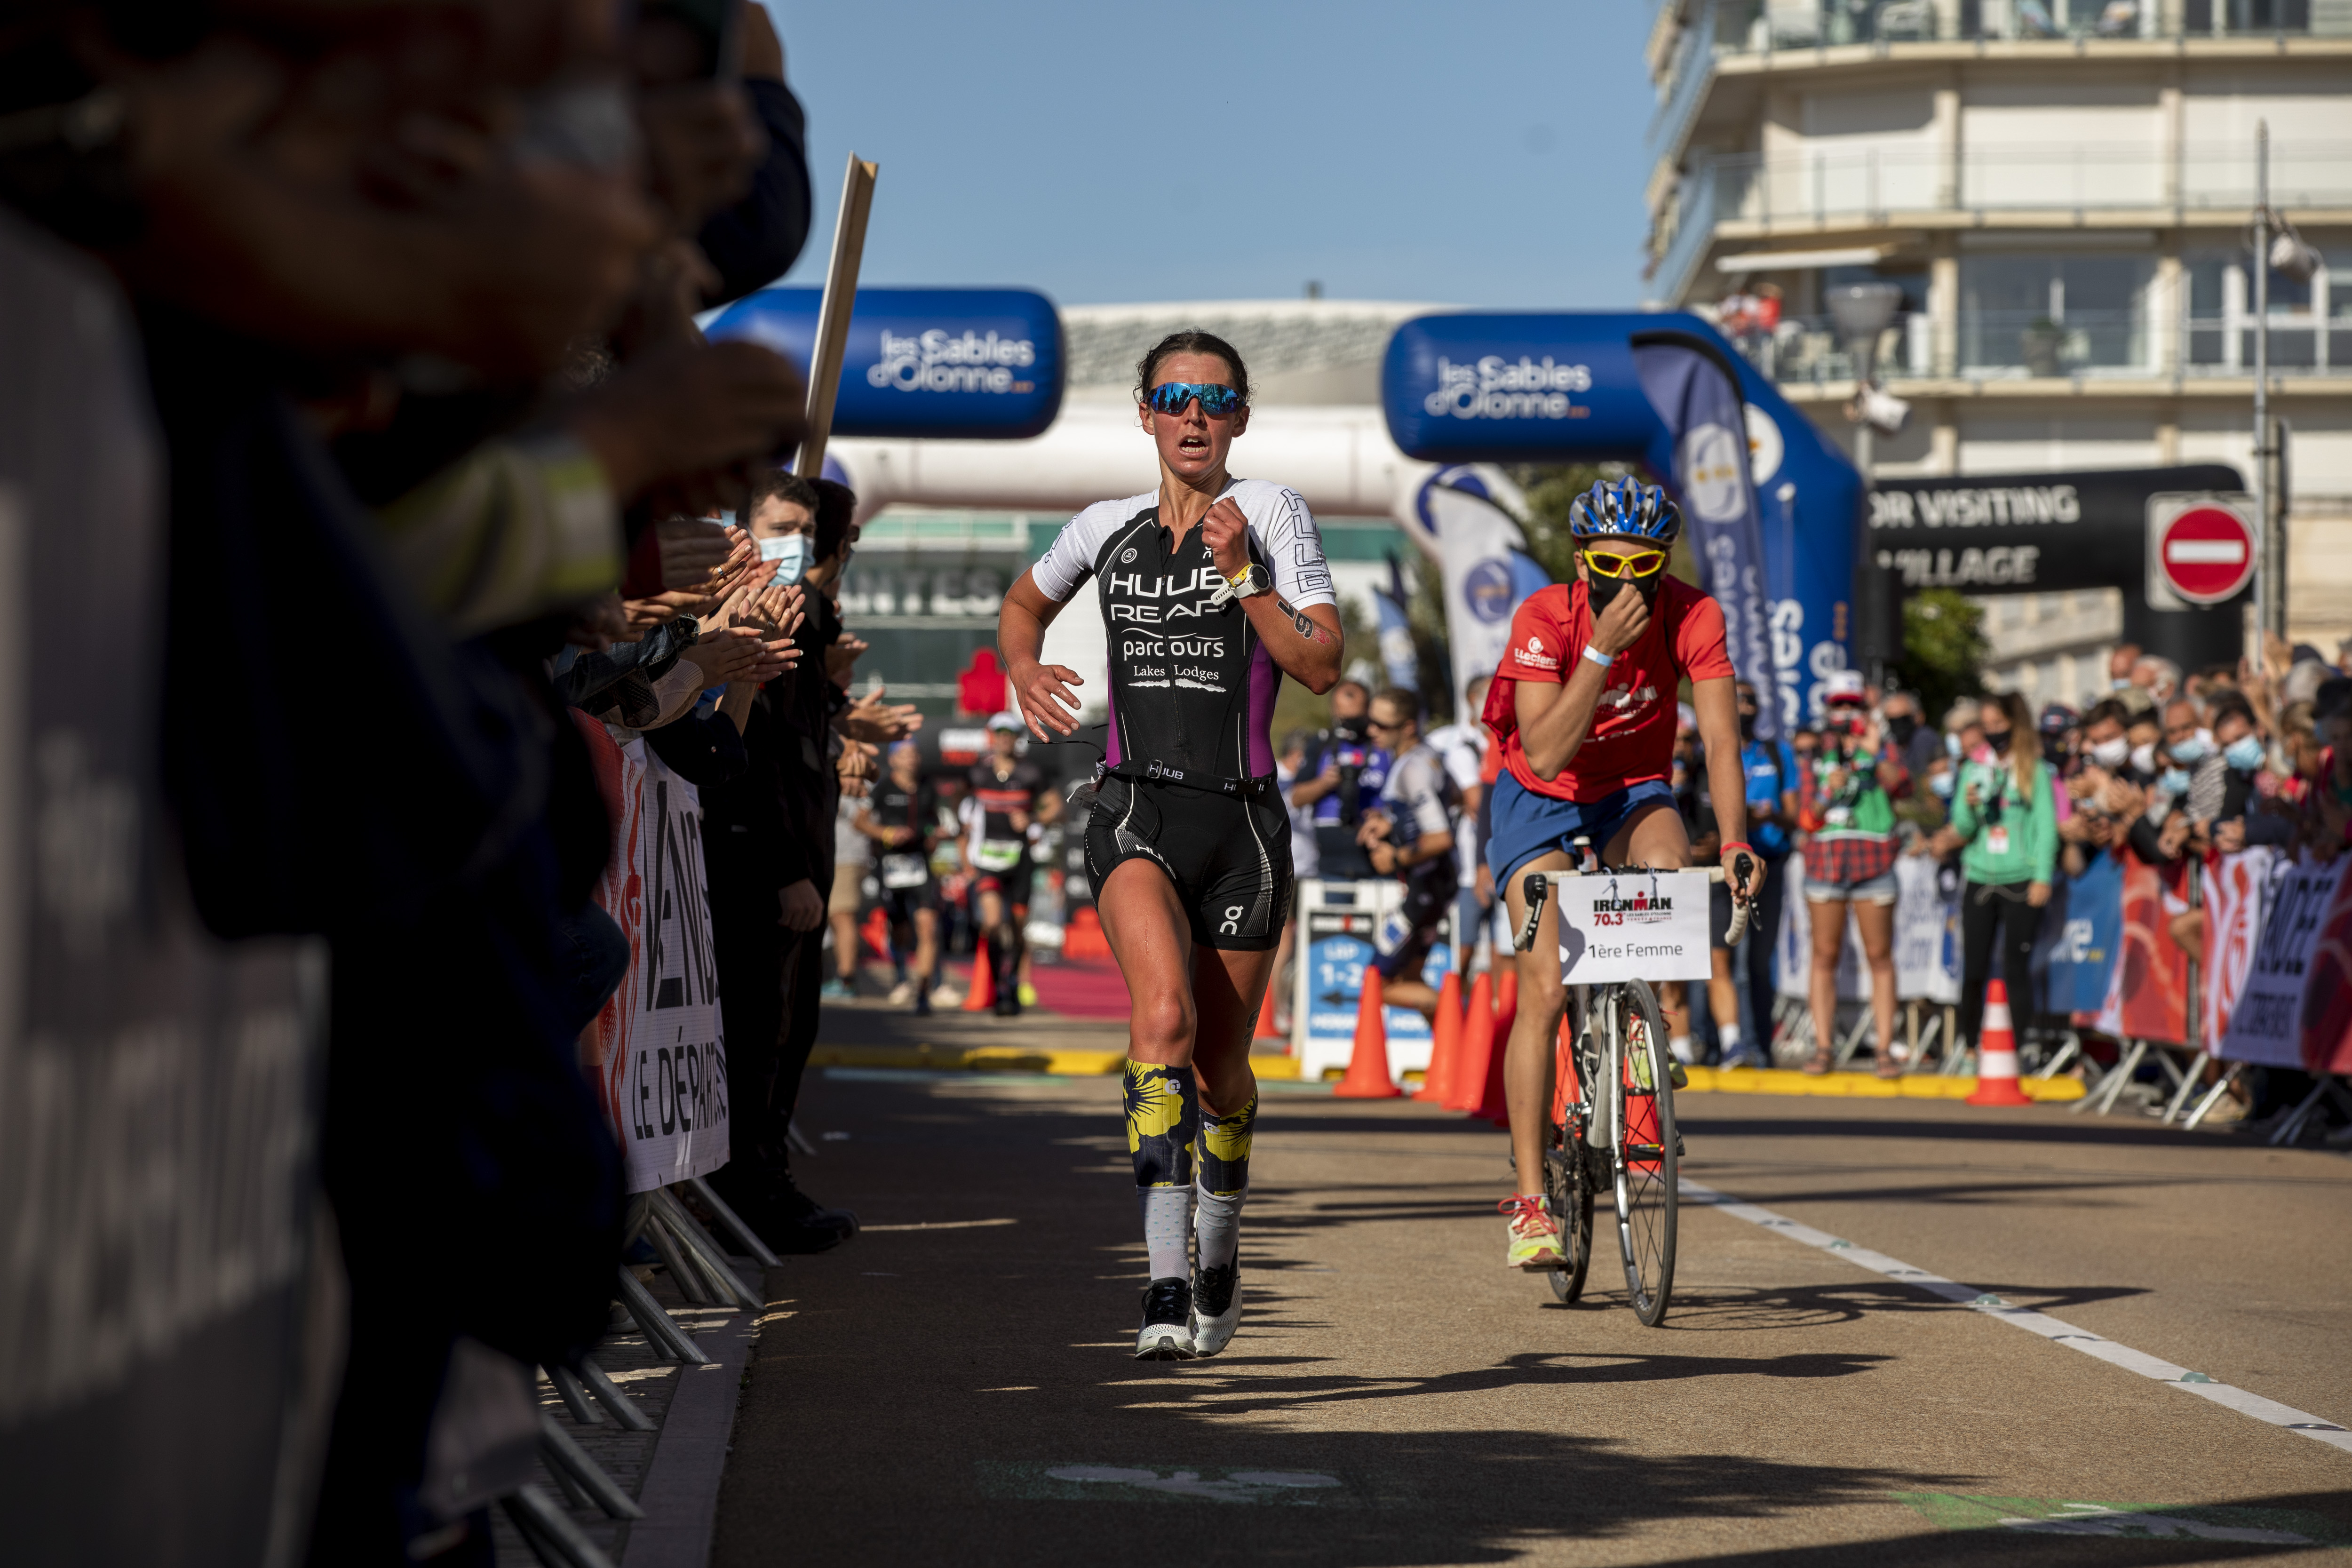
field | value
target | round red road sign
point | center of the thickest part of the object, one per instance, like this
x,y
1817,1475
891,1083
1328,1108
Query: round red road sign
x,y
2206,554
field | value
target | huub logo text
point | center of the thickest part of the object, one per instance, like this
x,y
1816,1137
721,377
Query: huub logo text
x,y
940,360
1497,388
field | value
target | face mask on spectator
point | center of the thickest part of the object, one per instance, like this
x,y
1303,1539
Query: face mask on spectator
x,y
791,554
2191,752
2000,744
2144,757
2111,753
2176,781
2245,753
1952,747
1941,784
1902,727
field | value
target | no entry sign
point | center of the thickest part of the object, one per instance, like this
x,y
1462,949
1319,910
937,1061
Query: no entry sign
x,y
2201,548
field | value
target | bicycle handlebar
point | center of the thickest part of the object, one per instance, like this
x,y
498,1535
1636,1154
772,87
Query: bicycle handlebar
x,y
1537,889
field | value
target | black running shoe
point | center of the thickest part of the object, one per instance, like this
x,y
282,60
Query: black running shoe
x,y
1216,1309
1167,1332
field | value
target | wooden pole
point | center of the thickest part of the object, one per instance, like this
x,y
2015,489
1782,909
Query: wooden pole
x,y
833,314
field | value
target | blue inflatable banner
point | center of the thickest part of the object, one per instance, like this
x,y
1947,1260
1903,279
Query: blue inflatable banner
x,y
940,362
1565,386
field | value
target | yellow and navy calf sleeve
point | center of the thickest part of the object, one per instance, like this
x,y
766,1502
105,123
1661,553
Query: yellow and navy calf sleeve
x,y
1225,1148
1163,1117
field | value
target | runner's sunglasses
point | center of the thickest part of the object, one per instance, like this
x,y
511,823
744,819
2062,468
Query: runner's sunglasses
x,y
1217,401
1614,563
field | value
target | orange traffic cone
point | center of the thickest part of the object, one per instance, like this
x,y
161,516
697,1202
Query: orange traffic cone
x,y
1445,1042
1367,1069
1565,1087
1996,1053
1468,1081
1495,1104
876,932
980,996
1266,1029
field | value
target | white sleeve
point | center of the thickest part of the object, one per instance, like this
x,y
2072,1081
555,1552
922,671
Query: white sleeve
x,y
1069,560
1464,762
1423,795
1285,531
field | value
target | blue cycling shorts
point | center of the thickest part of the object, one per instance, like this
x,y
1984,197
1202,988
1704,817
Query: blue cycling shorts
x,y
1527,825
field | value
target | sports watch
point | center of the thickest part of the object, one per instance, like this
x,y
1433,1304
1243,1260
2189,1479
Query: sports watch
x,y
1248,583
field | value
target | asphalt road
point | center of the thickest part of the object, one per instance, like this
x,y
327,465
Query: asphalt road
x,y
961,1394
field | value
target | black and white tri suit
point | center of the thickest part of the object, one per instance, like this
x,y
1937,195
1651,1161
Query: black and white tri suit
x,y
1001,852
1189,760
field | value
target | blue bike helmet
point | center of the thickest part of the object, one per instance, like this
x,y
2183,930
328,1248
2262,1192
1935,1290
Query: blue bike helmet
x,y
1627,507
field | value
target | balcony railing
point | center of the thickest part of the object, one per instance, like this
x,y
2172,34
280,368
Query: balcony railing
x,y
1997,345
1724,28
1880,184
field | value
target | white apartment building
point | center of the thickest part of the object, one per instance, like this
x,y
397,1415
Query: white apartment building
x,y
2062,190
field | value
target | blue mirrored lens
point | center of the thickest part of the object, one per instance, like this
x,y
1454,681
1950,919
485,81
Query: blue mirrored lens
x,y
1170,397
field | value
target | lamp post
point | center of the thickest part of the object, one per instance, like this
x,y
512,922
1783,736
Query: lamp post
x,y
1863,312
2270,589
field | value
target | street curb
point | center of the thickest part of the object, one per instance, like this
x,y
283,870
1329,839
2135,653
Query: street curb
x,y
680,1494
1735,1081
1867,1086
1005,1059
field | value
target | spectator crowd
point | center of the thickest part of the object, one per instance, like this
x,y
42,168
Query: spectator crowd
x,y
455,481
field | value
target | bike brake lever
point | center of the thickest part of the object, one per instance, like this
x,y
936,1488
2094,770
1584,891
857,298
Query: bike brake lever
x,y
1536,890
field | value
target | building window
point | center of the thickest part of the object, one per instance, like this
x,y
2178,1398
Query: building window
x,y
2054,315
2311,322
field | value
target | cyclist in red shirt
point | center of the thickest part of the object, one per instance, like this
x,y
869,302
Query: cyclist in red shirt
x,y
1584,713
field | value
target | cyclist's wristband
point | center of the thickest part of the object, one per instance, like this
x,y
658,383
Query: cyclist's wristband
x,y
1603,659
1737,843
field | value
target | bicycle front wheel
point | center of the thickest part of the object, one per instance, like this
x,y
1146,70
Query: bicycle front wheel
x,y
1647,1159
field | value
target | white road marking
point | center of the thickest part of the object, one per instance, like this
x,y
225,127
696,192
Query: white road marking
x,y
2054,1330
940,1224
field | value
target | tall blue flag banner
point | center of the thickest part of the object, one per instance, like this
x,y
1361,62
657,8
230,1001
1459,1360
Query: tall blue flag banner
x,y
1696,398
1398,657
2089,938
1466,520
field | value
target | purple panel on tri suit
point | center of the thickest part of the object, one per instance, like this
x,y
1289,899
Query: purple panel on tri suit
x,y
1265,681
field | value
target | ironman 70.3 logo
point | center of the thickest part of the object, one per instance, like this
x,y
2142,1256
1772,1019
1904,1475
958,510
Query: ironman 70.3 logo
x,y
1641,908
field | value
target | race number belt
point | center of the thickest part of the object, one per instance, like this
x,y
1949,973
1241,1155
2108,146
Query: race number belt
x,y
904,871
1000,854
1159,773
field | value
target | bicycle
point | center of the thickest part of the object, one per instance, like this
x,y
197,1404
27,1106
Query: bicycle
x,y
1618,1039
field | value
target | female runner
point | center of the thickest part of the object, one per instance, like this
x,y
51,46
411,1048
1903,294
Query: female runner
x,y
1212,589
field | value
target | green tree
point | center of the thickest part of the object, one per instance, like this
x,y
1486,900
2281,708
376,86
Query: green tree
x,y
1943,650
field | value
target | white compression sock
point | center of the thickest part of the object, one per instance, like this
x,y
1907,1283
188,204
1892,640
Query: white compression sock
x,y
1729,1034
1217,1226
1684,1052
1166,1217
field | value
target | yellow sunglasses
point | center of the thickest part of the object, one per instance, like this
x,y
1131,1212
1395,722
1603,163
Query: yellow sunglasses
x,y
1614,563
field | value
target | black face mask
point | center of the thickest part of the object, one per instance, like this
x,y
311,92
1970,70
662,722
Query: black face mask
x,y
2000,744
1603,590
1902,727
1747,723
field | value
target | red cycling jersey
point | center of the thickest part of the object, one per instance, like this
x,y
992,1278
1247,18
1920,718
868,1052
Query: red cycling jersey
x,y
1632,739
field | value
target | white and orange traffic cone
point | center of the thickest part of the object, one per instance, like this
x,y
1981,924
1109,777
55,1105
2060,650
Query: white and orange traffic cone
x,y
1996,1053
1367,1070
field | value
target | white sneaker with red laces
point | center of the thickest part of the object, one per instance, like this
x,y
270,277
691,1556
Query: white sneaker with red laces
x,y
1534,1234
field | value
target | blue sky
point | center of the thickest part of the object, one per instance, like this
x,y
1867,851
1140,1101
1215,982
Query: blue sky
x,y
1485,152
